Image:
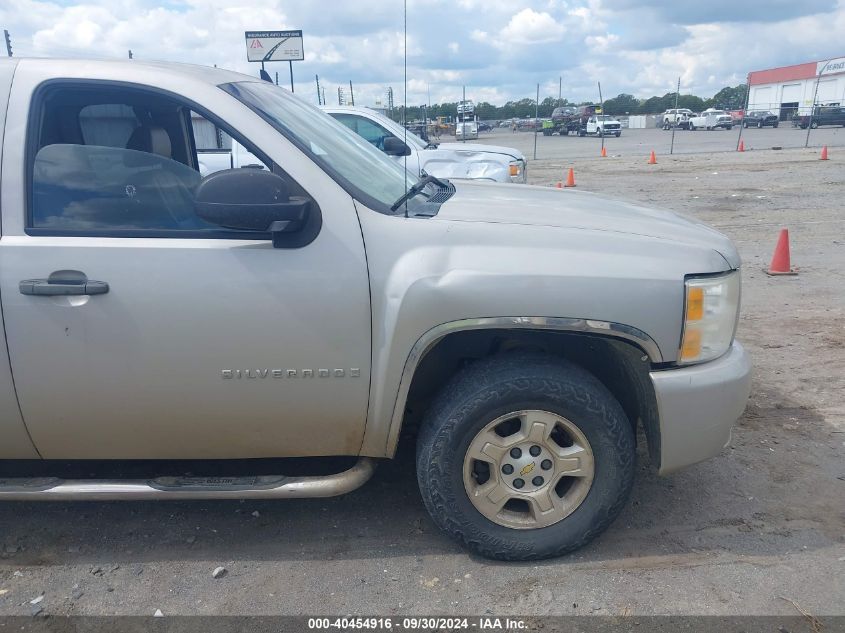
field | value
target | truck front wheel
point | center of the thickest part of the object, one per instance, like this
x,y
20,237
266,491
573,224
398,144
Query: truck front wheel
x,y
525,457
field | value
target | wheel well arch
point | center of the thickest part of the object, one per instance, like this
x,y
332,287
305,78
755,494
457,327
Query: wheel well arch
x,y
619,363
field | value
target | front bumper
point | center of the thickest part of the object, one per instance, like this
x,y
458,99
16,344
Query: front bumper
x,y
698,405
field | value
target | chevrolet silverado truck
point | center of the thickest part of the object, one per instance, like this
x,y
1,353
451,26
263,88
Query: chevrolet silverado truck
x,y
330,306
444,160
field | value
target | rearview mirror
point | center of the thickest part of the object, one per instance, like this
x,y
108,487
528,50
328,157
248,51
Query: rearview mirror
x,y
395,147
250,200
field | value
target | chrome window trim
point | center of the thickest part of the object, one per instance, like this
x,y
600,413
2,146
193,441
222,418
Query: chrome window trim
x,y
564,324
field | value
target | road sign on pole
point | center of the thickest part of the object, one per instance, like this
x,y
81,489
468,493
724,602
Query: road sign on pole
x,y
274,46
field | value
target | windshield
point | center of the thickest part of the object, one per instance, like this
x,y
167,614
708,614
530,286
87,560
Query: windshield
x,y
366,173
604,117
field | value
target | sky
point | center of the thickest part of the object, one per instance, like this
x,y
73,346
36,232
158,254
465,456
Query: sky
x,y
499,49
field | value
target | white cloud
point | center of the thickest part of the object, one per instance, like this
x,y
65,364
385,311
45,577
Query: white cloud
x,y
499,48
530,27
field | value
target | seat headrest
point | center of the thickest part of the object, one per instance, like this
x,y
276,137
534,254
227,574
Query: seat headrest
x,y
150,139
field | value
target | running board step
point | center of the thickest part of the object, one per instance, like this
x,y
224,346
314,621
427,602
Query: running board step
x,y
176,488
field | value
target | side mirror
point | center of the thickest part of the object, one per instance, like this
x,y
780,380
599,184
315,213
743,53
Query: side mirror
x,y
395,147
250,200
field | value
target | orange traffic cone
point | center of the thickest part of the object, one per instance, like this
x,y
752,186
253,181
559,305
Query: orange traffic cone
x,y
559,185
604,152
570,178
824,153
780,259
652,160
741,147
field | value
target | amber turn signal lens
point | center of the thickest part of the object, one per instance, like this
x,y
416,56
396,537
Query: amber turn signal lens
x,y
691,347
695,304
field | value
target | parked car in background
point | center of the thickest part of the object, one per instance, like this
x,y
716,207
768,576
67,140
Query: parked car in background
x,y
603,125
674,116
823,115
760,118
444,160
565,119
466,130
529,124
737,116
711,119
218,159
483,126
684,123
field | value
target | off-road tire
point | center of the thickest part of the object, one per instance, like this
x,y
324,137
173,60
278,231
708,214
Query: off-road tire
x,y
497,386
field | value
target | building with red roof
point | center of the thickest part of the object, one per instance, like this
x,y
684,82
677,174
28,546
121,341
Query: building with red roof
x,y
791,89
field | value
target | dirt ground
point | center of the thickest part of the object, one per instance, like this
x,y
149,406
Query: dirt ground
x,y
740,534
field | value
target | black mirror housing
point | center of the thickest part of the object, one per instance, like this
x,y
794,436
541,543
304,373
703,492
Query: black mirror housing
x,y
395,147
250,200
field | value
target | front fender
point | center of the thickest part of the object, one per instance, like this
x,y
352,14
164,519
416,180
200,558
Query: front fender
x,y
429,276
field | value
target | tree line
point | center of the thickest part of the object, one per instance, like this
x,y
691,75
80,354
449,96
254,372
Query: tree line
x,y
728,98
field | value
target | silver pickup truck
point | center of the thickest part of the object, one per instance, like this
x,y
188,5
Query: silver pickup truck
x,y
327,305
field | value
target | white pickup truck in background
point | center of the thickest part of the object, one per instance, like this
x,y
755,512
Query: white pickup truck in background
x,y
710,120
216,150
444,160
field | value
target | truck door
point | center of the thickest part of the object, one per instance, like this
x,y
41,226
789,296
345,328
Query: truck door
x,y
138,330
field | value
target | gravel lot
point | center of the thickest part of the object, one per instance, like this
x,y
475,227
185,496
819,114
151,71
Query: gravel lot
x,y
762,522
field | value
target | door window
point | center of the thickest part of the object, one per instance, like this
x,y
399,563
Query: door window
x,y
119,162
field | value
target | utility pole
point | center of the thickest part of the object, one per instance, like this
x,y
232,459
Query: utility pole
x,y
319,95
277,77
351,94
8,42
601,105
812,108
678,96
559,89
536,118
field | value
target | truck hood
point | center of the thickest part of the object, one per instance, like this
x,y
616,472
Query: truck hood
x,y
481,148
497,203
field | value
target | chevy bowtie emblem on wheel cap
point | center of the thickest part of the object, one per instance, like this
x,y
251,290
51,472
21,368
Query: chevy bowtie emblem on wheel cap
x,y
526,469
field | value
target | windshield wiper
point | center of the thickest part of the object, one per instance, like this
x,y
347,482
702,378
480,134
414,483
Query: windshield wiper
x,y
417,188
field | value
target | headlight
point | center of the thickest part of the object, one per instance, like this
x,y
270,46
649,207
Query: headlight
x,y
710,317
517,171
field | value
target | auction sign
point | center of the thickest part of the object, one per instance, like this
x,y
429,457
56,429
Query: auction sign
x,y
274,46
